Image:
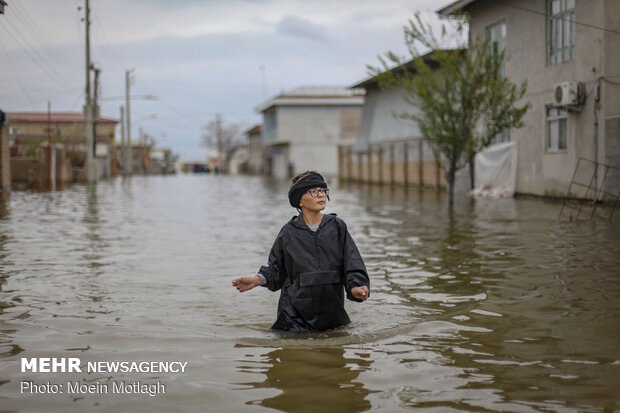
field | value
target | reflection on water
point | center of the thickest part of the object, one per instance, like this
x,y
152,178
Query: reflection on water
x,y
310,380
495,306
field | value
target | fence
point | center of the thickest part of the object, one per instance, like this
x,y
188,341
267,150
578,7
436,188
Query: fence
x,y
405,162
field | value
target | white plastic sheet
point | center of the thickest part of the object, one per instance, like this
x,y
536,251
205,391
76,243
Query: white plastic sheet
x,y
496,171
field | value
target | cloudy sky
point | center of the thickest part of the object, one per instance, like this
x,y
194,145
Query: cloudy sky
x,y
199,57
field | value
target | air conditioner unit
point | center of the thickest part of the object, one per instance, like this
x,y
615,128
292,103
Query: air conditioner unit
x,y
568,93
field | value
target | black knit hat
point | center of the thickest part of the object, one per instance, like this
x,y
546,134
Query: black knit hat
x,y
313,180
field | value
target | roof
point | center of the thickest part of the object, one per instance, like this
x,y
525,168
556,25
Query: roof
x,y
40,117
255,129
407,66
315,95
453,7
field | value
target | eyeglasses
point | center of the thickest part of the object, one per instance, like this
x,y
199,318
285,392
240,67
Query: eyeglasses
x,y
318,191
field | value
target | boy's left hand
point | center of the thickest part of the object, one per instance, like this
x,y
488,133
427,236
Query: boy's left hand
x,y
361,293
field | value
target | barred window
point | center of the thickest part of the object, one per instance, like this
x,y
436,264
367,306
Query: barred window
x,y
560,31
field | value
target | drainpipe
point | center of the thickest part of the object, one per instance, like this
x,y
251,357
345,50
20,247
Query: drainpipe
x,y
597,96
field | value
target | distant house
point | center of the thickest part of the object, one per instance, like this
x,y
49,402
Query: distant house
x,y
304,128
29,130
255,150
238,162
569,53
160,161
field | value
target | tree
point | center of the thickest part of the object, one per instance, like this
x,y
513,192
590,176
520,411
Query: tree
x,y
224,137
464,101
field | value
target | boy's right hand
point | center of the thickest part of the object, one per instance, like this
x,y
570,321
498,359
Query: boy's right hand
x,y
246,283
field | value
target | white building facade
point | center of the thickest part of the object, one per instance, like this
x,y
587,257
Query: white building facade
x,y
304,128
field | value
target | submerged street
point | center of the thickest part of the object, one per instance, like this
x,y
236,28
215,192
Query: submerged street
x,y
496,306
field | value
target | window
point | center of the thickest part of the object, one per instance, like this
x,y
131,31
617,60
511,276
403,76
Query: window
x,y
270,125
496,35
503,136
560,31
556,129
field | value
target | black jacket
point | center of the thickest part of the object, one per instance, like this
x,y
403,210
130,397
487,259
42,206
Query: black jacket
x,y
311,269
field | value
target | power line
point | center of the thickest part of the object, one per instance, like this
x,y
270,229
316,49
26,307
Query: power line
x,y
22,14
19,80
20,105
592,26
41,57
39,60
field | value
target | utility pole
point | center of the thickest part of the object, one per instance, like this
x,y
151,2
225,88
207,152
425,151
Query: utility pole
x,y
49,145
220,146
142,147
91,167
95,109
124,169
128,150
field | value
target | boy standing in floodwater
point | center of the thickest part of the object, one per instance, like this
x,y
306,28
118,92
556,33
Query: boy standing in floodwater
x,y
313,261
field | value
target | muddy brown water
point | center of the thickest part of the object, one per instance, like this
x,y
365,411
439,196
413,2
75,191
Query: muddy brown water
x,y
496,306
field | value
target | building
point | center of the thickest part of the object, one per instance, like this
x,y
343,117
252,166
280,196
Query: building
x,y
390,150
255,150
568,51
28,131
161,161
304,128
238,160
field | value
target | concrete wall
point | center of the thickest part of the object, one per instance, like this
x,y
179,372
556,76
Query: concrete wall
x,y
596,54
255,160
313,135
378,123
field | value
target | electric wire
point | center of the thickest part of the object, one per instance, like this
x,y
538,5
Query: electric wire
x,y
31,25
592,26
19,80
50,63
38,59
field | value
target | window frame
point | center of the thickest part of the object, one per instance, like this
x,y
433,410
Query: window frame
x,y
564,18
562,115
495,51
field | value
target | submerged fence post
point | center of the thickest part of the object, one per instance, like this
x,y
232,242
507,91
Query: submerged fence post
x,y
5,156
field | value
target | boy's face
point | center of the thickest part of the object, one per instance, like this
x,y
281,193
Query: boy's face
x,y
313,203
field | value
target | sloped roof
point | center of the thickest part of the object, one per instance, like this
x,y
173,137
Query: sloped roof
x,y
41,117
453,8
255,129
407,66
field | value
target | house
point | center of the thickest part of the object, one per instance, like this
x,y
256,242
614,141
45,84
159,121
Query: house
x,y
390,150
568,51
28,131
255,150
238,161
304,128
161,161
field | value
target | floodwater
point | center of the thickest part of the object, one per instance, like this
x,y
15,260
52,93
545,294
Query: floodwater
x,y
496,306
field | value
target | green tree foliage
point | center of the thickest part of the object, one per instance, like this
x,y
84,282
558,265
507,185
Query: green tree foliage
x,y
463,100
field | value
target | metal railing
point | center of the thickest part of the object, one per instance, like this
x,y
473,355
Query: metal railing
x,y
596,197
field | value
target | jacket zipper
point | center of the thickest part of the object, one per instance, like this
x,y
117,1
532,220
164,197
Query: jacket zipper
x,y
316,248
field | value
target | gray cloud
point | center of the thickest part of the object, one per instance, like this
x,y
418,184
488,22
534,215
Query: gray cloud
x,y
299,27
